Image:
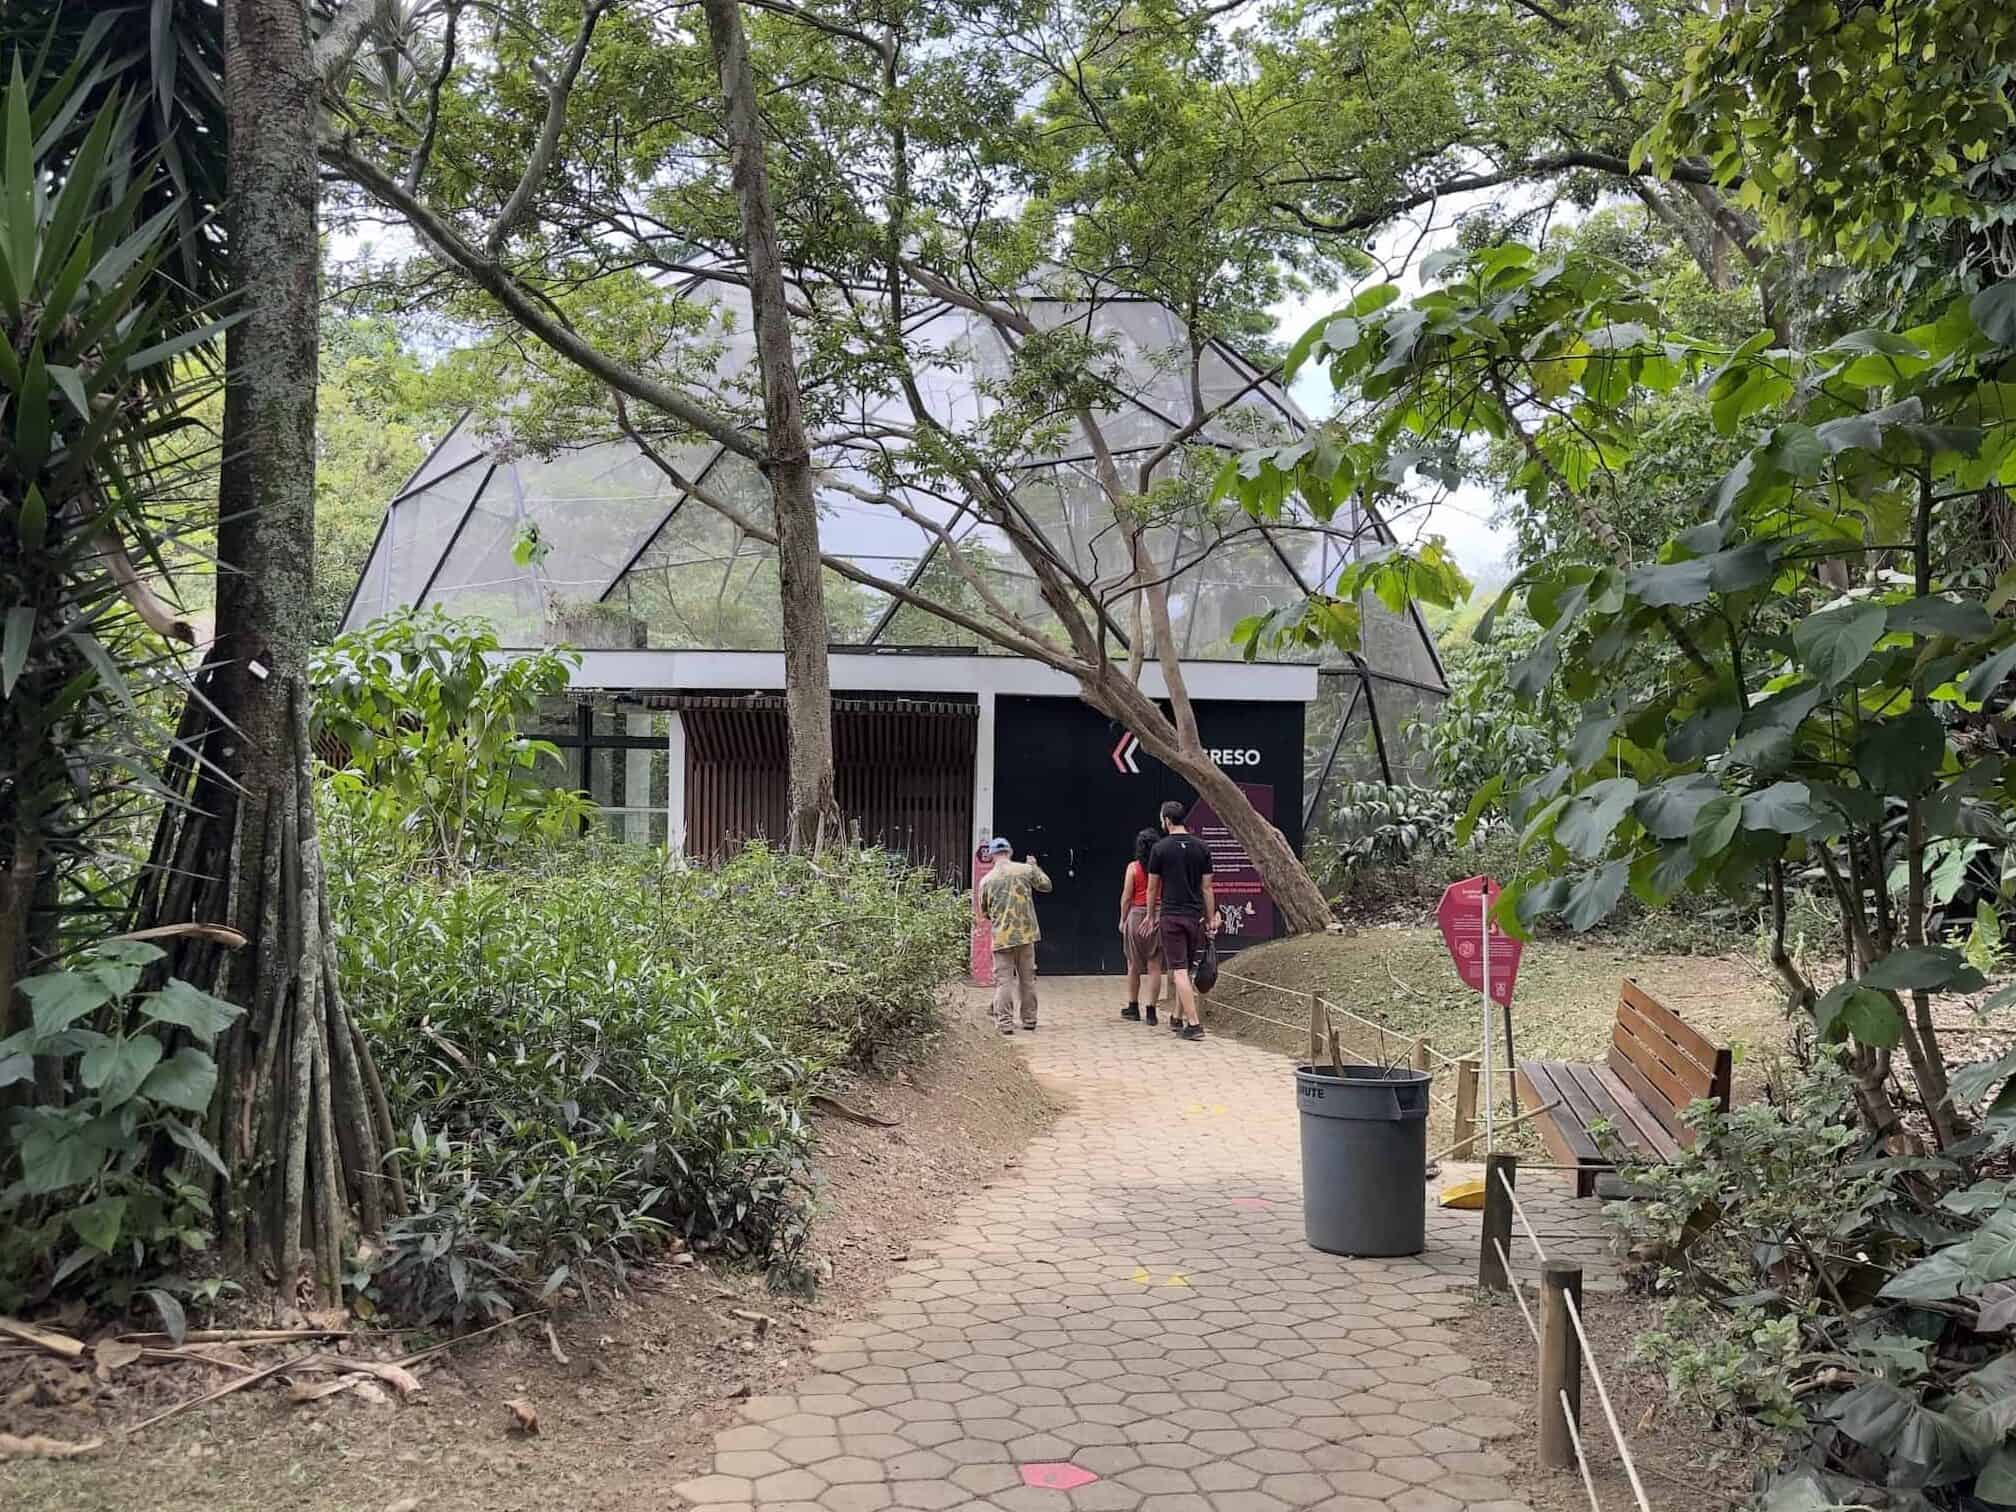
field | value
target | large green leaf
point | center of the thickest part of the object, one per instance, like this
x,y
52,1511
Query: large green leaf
x,y
1784,807
1926,968
1669,811
1715,825
1995,1483
1852,1009
1924,1447
1833,643
1585,825
1991,1253
1672,584
116,1068
1592,897
55,1158
184,1081
1971,1083
98,1223
1903,755
1990,675
61,998
1942,616
195,1010
1994,313
1769,729
195,1143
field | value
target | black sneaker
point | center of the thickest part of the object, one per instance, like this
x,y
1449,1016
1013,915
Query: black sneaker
x,y
1193,1031
1132,1013
1028,1028
1176,1026
1150,1010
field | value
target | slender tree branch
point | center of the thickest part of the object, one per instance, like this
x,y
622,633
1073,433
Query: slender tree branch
x,y
343,35
417,169
524,305
541,160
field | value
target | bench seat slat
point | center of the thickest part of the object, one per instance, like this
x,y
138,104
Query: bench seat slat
x,y
1566,1137
1650,1133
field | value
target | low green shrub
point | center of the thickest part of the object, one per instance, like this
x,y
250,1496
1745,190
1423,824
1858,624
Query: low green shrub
x,y
1858,1304
595,1047
851,949
90,1190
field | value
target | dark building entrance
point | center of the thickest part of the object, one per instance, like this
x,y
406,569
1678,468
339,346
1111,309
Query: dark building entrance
x,y
1072,786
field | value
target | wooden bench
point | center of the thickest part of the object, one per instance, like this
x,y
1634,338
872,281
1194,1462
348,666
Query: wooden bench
x,y
1657,1066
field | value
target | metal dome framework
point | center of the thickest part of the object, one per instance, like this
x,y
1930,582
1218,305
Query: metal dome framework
x,y
628,559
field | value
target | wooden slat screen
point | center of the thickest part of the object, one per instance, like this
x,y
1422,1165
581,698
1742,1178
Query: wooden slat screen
x,y
903,772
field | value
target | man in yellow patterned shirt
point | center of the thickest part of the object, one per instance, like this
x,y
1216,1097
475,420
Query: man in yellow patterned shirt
x,y
1008,902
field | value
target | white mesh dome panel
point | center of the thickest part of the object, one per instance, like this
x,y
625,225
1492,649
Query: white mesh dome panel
x,y
626,558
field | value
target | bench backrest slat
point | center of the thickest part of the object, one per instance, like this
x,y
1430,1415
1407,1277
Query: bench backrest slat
x,y
1665,1060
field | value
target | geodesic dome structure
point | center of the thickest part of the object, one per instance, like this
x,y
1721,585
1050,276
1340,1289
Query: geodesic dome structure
x,y
628,560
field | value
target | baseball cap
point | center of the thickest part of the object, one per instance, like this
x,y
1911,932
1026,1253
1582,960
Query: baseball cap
x,y
998,847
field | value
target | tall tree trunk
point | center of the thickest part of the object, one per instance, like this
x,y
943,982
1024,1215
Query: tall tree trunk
x,y
1294,891
297,1115
808,694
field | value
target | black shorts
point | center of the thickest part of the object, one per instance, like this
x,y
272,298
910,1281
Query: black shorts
x,y
1182,940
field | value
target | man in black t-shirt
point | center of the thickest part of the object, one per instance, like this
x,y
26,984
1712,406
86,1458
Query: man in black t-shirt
x,y
1180,900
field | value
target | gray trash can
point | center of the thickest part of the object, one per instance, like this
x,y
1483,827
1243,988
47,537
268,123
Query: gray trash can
x,y
1364,1149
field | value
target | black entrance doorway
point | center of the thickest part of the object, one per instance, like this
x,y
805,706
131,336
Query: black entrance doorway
x,y
1072,787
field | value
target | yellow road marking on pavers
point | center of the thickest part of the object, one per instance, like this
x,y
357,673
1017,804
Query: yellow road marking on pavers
x,y
1143,1278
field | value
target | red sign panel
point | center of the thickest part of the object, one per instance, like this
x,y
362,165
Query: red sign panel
x,y
1461,916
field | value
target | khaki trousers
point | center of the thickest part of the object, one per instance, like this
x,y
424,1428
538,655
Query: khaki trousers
x,y
1015,982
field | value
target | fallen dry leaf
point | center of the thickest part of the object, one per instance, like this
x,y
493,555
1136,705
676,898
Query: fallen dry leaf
x,y
404,1504
398,1377
372,1393
524,1416
315,1391
34,1446
114,1354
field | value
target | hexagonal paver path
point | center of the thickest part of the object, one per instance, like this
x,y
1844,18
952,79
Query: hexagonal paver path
x,y
1130,1321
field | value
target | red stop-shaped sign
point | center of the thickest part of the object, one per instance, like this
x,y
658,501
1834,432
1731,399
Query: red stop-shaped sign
x,y
1461,915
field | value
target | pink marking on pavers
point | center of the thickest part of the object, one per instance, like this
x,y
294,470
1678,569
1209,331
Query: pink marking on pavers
x,y
1057,1476
1252,1204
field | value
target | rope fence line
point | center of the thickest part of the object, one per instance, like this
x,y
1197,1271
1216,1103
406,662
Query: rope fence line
x,y
1440,1099
1518,1294
1609,1412
1586,1353
1338,1008
1581,1458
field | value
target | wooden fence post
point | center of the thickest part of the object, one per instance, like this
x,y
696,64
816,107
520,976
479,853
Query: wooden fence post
x,y
1496,1243
1463,1135
1560,1363
1421,1055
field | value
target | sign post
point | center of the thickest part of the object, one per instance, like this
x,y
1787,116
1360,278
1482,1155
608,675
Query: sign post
x,y
1487,959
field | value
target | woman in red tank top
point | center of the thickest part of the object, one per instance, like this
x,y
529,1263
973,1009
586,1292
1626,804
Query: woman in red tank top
x,y
1144,946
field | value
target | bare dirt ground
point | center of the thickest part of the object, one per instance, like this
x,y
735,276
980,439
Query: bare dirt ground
x,y
623,1397
1683,1460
